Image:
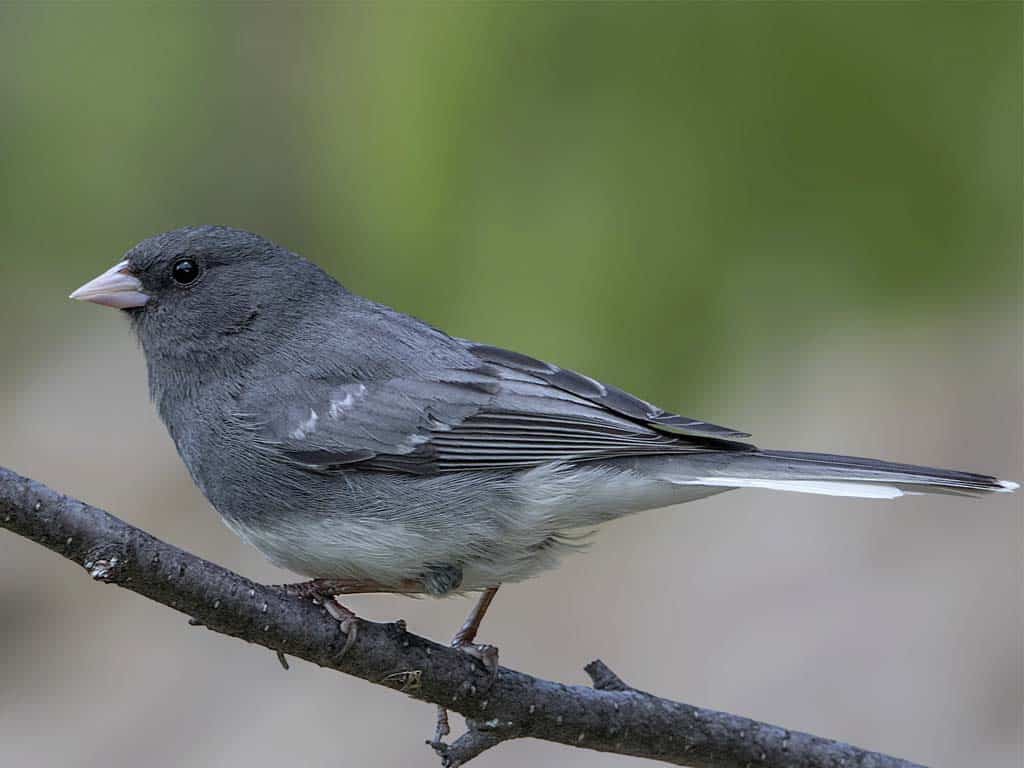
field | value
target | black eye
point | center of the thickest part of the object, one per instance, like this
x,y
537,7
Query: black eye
x,y
185,271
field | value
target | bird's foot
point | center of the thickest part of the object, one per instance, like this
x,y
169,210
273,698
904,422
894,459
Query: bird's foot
x,y
318,588
463,639
347,621
323,592
487,655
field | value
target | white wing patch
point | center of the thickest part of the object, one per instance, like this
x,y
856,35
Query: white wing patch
x,y
309,425
338,407
336,410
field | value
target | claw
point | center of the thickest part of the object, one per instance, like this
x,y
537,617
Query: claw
x,y
351,629
315,591
346,619
487,655
442,728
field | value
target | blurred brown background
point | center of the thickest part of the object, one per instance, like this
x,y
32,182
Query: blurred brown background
x,y
799,219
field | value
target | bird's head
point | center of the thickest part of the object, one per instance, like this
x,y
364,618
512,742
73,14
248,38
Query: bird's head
x,y
202,292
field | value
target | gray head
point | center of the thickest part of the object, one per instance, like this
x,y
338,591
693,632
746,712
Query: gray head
x,y
211,296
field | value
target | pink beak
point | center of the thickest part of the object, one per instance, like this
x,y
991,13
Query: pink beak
x,y
117,287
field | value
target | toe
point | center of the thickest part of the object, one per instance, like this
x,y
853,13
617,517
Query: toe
x,y
487,655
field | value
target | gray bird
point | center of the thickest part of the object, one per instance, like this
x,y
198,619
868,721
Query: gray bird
x,y
374,453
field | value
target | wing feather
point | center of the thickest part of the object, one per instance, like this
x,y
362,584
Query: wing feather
x,y
606,396
503,411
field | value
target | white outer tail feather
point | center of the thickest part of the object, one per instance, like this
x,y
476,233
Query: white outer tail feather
x,y
822,487
868,490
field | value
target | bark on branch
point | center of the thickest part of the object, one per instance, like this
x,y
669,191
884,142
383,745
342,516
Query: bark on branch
x,y
610,717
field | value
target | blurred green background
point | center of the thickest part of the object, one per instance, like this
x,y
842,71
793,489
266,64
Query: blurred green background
x,y
644,191
800,218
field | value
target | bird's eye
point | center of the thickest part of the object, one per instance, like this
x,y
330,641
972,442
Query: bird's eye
x,y
185,271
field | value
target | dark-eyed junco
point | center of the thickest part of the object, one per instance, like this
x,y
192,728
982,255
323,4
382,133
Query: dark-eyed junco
x,y
364,448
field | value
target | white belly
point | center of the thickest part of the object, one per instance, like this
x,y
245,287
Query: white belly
x,y
493,540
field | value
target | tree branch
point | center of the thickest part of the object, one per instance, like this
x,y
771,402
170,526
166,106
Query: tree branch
x,y
611,717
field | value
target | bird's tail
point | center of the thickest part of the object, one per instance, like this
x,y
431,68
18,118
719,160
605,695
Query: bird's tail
x,y
832,475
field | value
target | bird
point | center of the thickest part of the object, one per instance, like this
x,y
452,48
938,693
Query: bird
x,y
372,452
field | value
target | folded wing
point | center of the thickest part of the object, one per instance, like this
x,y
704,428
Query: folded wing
x,y
502,411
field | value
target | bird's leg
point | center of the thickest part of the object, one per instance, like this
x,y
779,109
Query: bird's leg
x,y
463,640
467,634
326,591
485,654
